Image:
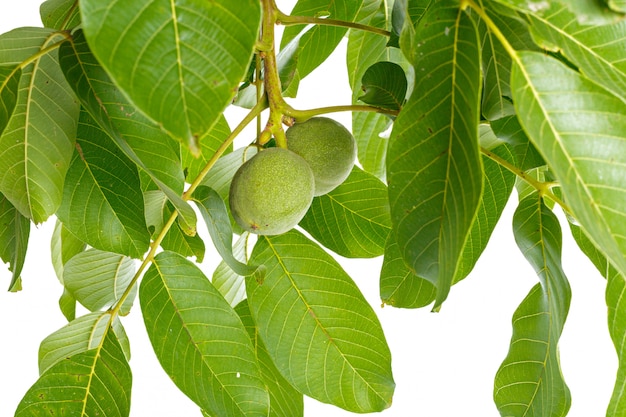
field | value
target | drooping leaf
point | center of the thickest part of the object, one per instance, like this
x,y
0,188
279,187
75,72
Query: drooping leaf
x,y
353,219
384,85
231,285
60,14
180,63
595,50
37,143
215,215
91,383
317,327
67,305
579,129
434,168
80,335
285,400
96,278
508,129
132,132
63,246
200,340
399,286
529,381
369,131
496,100
14,233
615,293
321,40
176,240
102,200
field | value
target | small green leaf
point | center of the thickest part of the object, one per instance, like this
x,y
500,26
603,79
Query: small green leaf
x,y
14,233
63,246
9,82
209,144
97,279
60,14
434,168
384,85
37,143
509,130
318,328
221,175
91,383
80,335
67,305
285,400
102,201
200,340
399,286
231,285
215,215
529,381
579,129
353,219
180,63
135,135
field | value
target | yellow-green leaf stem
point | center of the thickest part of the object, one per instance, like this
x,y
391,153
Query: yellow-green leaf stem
x,y
287,20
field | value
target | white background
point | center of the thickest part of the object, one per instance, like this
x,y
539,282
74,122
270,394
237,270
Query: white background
x,y
443,363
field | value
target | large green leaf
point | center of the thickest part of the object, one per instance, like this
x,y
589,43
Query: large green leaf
x,y
96,278
200,340
321,40
529,381
37,143
285,400
102,200
132,132
9,83
92,383
579,129
14,232
80,335
615,297
384,85
353,219
433,165
318,328
596,50
60,14
179,62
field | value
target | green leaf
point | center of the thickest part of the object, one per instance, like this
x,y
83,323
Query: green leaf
x,y
37,144
14,232
67,305
200,340
180,63
221,175
529,381
209,144
579,129
434,168
509,130
78,336
318,328
368,129
91,383
102,200
63,246
215,215
618,5
132,132
60,14
321,40
97,279
384,85
231,285
496,62
588,12
615,295
9,83
285,400
595,50
353,219
399,286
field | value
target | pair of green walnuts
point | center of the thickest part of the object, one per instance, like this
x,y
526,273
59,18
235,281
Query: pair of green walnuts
x,y
272,191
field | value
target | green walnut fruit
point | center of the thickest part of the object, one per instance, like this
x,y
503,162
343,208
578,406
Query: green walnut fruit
x,y
328,147
271,192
